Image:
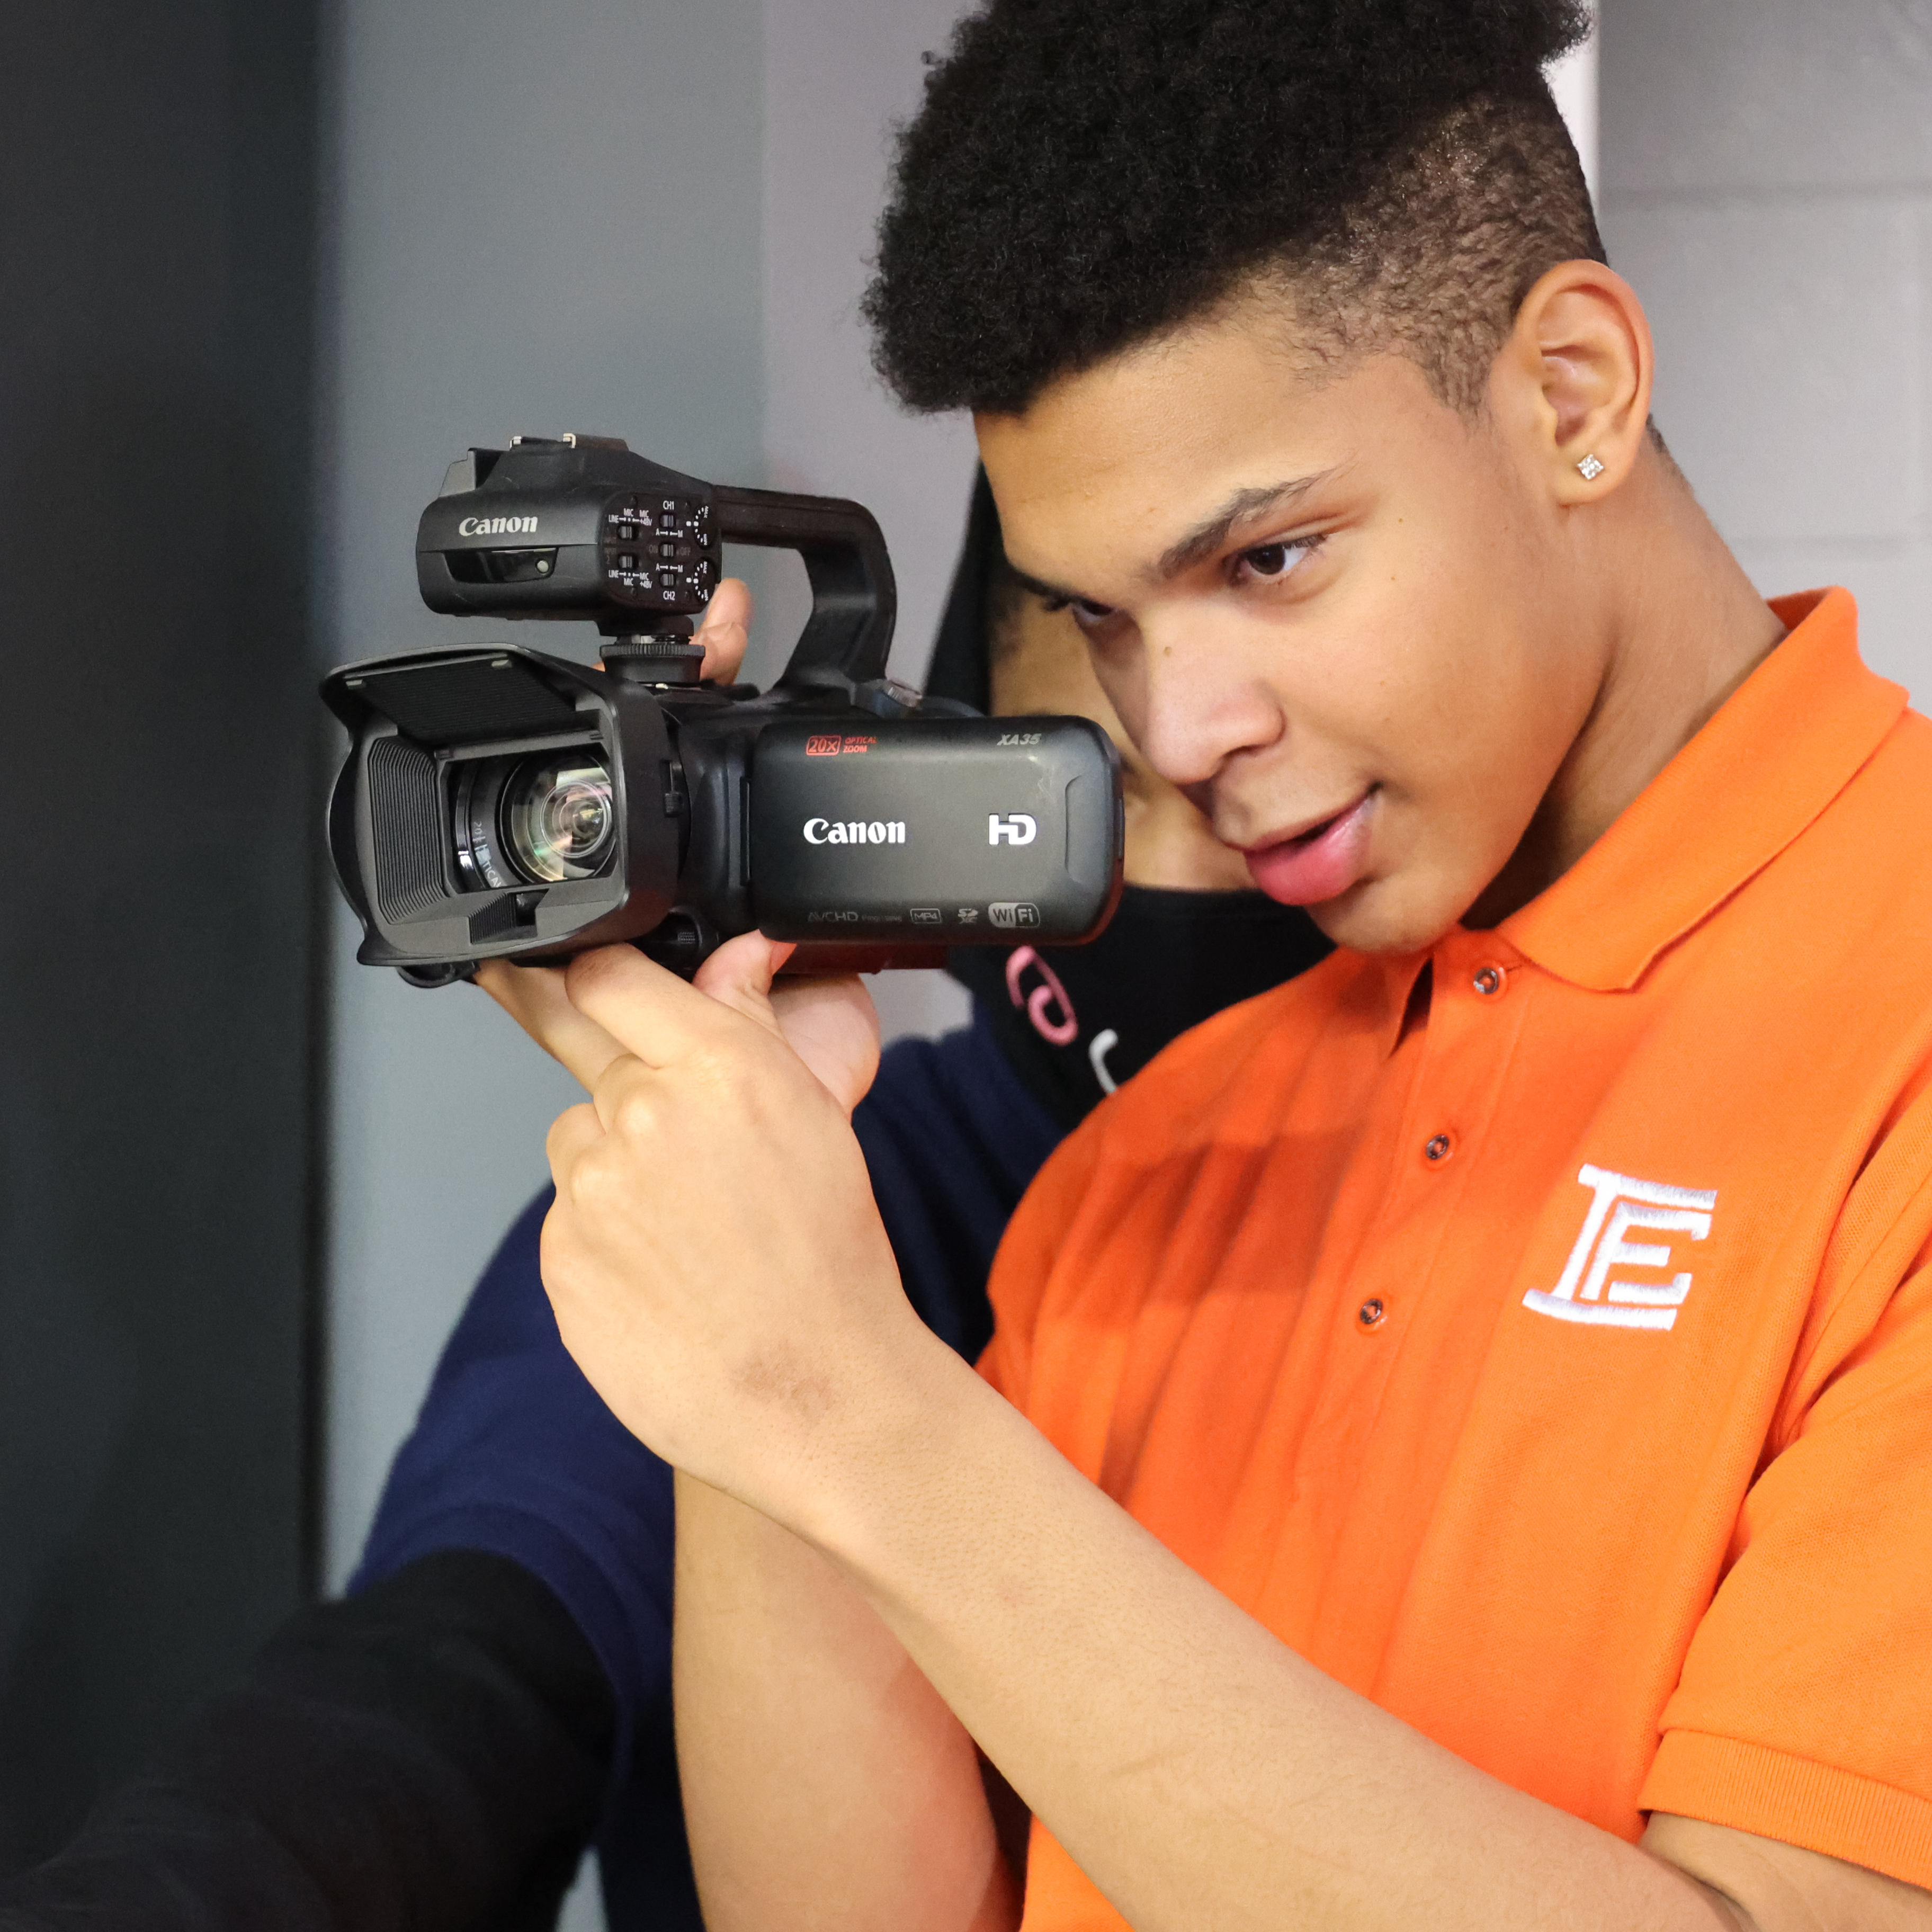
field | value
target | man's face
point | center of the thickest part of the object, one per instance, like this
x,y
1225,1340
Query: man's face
x,y
1334,613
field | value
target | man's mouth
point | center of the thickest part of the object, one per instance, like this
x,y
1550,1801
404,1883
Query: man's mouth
x,y
1317,864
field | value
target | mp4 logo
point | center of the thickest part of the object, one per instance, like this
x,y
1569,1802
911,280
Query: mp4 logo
x,y
1588,1291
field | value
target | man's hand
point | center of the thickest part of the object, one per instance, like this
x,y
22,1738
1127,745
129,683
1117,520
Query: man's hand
x,y
714,1256
829,1023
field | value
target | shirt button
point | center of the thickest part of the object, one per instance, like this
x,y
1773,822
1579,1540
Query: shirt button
x,y
1437,1147
1489,982
1370,1314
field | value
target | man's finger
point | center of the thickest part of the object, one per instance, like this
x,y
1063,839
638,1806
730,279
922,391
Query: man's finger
x,y
649,1012
832,1025
629,1097
726,631
739,974
538,1000
572,1135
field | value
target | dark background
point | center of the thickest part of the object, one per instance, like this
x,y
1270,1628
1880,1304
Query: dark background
x,y
157,768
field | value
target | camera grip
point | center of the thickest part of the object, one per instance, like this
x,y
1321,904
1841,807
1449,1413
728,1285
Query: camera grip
x,y
854,600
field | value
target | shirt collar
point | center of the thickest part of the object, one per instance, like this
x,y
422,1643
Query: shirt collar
x,y
1772,758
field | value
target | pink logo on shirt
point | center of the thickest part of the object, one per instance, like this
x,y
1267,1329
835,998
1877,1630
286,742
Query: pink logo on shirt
x,y
1039,1003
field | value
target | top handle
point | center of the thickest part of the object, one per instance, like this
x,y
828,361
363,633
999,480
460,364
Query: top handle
x,y
854,600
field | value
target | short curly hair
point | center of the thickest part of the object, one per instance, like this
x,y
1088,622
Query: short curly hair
x,y
1085,174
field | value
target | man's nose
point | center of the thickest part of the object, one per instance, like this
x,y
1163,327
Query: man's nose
x,y
1202,705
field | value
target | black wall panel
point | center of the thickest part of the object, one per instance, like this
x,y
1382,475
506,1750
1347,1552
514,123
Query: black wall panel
x,y
158,814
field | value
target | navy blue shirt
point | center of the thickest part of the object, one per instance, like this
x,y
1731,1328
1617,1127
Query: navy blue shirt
x,y
514,1452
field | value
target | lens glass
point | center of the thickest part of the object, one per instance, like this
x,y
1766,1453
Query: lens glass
x,y
559,816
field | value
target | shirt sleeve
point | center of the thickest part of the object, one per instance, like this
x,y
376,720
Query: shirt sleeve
x,y
431,1754
1803,1712
514,1453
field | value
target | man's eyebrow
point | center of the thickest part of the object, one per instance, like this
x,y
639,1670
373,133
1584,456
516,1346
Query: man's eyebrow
x,y
1052,593
1206,538
1203,541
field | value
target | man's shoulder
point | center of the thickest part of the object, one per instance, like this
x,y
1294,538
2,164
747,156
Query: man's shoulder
x,y
1905,754
1867,863
1901,762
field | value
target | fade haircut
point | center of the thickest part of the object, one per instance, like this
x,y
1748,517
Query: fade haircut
x,y
1086,175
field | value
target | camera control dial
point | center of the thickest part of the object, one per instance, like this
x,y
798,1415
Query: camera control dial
x,y
658,553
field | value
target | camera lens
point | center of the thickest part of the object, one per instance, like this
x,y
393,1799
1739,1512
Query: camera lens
x,y
559,817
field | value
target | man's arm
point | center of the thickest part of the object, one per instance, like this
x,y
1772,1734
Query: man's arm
x,y
739,1310
825,1783
1180,1754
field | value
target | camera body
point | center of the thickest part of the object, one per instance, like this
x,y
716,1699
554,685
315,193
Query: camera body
x,y
500,803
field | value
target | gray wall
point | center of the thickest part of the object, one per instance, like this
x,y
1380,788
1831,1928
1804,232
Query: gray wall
x,y
545,219
648,217
1767,188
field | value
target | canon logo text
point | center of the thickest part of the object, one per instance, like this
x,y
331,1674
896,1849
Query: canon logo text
x,y
497,526
855,832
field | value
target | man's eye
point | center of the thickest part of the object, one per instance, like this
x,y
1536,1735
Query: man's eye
x,y
1084,612
1267,561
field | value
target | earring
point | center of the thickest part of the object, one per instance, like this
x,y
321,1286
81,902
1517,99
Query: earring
x,y
1591,468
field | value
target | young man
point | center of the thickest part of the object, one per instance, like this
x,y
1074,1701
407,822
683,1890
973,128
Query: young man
x,y
1456,1445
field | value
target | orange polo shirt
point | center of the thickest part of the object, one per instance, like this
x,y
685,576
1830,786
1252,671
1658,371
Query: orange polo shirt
x,y
1556,1369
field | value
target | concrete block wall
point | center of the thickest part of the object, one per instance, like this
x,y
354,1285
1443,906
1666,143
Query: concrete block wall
x,y
1767,186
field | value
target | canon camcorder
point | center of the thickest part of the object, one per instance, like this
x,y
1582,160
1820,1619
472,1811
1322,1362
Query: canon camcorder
x,y
499,802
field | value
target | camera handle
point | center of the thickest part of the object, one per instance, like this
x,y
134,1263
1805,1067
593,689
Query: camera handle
x,y
854,600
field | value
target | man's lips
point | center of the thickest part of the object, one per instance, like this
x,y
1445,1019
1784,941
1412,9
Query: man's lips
x,y
1318,865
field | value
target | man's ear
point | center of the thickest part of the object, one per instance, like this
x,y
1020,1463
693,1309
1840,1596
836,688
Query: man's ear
x,y
1575,378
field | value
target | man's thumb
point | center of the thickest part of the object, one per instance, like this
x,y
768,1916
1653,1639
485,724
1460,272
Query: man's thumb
x,y
739,975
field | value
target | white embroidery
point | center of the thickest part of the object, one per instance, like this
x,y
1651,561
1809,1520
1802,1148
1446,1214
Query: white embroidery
x,y
1586,1293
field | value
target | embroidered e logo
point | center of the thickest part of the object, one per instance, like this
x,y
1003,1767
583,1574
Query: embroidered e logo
x,y
1621,1203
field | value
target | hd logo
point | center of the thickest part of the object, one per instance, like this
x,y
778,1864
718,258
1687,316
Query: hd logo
x,y
1015,828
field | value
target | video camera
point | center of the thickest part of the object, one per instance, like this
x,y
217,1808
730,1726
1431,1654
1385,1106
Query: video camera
x,y
498,802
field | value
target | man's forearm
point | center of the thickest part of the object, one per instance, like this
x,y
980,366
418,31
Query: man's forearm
x,y
1179,1752
825,1783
